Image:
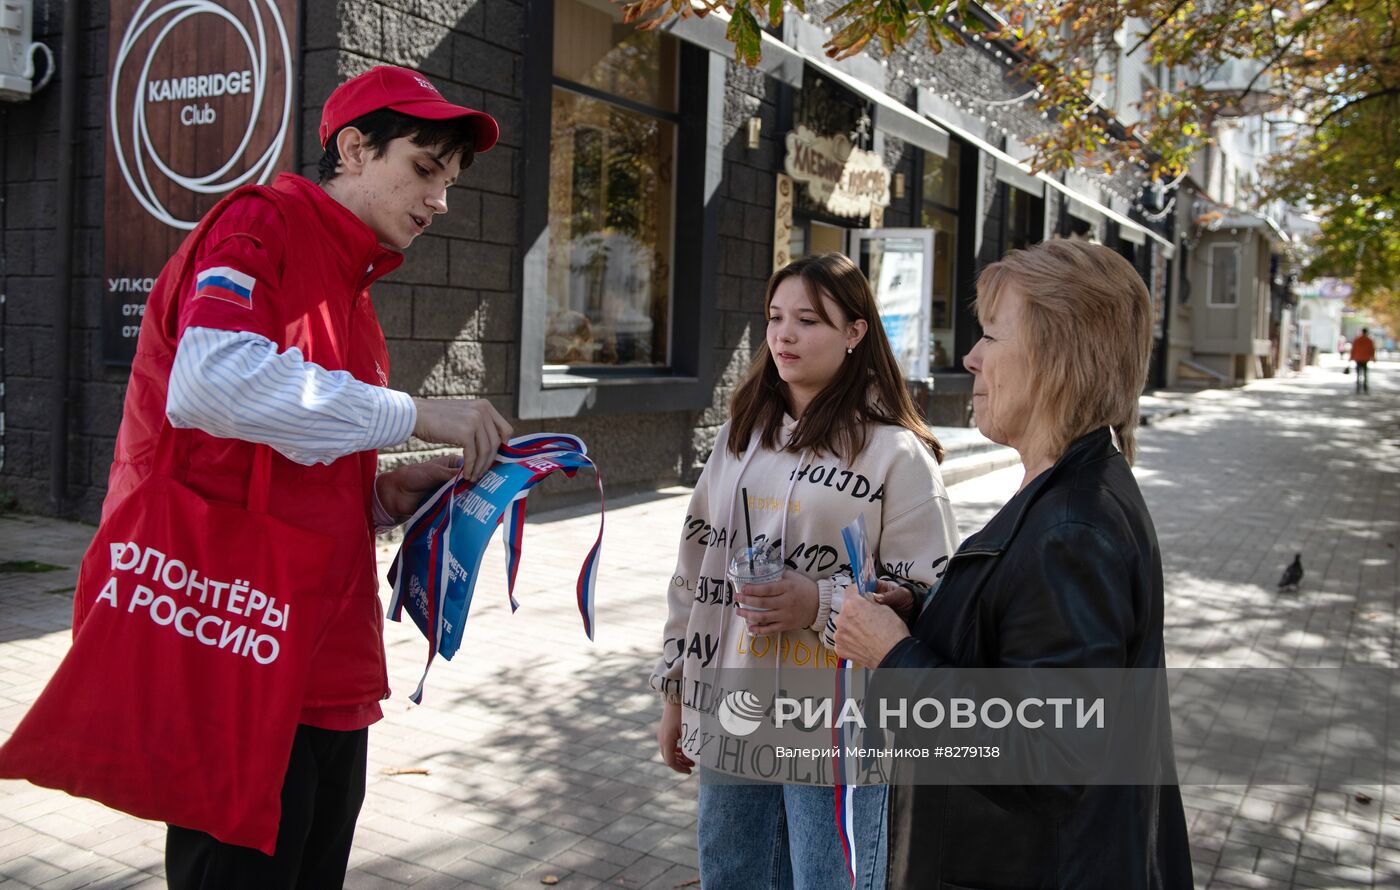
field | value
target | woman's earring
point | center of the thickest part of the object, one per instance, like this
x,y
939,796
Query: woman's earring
x,y
850,349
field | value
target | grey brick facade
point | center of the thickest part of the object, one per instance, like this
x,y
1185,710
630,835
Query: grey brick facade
x,y
29,281
452,313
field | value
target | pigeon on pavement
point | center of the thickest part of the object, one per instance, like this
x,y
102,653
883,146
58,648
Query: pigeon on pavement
x,y
1293,574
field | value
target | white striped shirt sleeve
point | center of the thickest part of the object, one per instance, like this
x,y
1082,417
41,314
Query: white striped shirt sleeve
x,y
236,385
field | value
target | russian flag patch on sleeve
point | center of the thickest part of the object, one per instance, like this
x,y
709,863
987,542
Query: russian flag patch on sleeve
x,y
223,283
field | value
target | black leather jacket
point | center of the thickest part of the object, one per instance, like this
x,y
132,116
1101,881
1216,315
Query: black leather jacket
x,y
1067,574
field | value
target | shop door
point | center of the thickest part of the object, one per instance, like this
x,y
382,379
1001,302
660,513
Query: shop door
x,y
899,264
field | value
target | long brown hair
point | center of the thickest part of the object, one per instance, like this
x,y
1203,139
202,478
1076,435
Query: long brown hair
x,y
868,389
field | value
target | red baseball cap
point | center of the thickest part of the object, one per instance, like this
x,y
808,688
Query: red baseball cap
x,y
402,90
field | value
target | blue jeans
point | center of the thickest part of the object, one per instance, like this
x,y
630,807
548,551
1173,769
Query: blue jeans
x,y
784,837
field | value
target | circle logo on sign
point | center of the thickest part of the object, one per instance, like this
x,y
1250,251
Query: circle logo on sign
x,y
142,167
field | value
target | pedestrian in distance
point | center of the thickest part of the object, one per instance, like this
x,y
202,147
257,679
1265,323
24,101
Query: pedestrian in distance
x,y
270,339
1066,575
821,430
1363,352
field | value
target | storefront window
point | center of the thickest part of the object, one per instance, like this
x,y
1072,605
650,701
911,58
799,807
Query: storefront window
x,y
828,109
1224,274
812,238
940,213
611,191
797,242
945,236
1025,219
941,177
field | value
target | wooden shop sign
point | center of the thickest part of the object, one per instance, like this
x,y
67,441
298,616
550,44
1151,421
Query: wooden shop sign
x,y
202,99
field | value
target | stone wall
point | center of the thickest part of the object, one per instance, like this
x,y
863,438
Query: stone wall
x,y
30,281
451,313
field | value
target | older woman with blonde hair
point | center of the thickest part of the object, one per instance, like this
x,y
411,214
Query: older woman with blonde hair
x,y
1067,574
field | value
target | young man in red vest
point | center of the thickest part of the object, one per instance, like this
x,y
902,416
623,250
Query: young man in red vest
x,y
271,339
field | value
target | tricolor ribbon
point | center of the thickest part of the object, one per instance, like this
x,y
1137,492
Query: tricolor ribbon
x,y
434,574
857,541
845,793
531,450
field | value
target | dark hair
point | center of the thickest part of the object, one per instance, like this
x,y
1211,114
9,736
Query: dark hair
x,y
385,125
869,388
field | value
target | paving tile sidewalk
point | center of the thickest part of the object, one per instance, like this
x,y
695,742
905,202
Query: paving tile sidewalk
x,y
538,745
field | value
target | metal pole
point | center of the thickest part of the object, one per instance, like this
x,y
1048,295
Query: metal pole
x,y
63,257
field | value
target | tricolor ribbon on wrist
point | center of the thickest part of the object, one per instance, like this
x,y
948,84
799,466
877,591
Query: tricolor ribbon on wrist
x,y
434,573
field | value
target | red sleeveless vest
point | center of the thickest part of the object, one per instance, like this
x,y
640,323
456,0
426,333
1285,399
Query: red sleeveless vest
x,y
327,260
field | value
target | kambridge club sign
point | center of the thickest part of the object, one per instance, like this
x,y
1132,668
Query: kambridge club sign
x,y
842,179
202,101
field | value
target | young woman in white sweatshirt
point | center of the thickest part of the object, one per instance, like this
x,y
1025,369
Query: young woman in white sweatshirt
x,y
821,430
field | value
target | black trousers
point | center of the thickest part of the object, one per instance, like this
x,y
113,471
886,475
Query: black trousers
x,y
321,798
1363,377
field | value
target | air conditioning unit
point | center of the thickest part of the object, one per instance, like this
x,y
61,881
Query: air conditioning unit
x,y
18,50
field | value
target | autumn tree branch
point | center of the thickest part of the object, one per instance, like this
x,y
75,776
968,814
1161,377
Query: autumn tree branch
x,y
1352,103
1171,14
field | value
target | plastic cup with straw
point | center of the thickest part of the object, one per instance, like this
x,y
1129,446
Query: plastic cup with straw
x,y
754,565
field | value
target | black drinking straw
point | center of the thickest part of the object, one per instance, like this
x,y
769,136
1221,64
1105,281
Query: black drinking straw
x,y
748,528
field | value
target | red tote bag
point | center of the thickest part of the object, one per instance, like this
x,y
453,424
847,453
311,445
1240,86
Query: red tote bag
x,y
194,624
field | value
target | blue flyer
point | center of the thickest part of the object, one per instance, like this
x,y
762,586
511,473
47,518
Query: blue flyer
x,y
434,574
858,552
